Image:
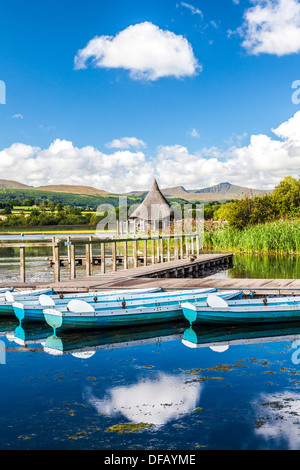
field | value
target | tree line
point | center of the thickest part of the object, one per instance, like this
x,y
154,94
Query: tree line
x,y
282,203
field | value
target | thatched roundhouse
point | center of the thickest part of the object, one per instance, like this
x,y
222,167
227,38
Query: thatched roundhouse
x,y
154,213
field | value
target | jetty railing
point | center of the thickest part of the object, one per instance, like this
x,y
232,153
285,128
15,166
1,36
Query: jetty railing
x,y
141,251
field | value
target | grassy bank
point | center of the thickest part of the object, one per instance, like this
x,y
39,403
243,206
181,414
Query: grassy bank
x,y
48,229
281,237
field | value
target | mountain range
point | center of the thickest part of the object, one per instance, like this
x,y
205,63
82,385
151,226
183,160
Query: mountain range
x,y
220,192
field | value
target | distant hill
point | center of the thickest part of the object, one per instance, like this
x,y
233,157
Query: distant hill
x,y
220,192
7,184
224,191
73,189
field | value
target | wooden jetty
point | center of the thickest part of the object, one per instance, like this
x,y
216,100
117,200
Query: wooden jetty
x,y
156,263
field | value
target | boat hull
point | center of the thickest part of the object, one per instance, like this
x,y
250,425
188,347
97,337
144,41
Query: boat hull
x,y
276,312
108,321
158,313
35,313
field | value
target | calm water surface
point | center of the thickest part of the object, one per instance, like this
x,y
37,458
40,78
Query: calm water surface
x,y
245,266
150,388
169,393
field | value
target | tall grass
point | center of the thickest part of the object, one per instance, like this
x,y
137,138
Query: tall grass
x,y
281,237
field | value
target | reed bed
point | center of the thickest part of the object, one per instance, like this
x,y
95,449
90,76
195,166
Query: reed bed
x,y
280,237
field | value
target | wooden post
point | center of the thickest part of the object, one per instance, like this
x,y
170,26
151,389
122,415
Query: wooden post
x,y
114,256
187,247
169,249
125,255
135,256
153,251
56,264
102,258
157,251
197,245
161,250
69,250
192,245
87,260
145,253
53,254
91,251
176,254
181,247
73,262
22,264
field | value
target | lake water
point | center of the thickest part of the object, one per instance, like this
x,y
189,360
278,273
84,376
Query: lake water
x,y
244,266
147,389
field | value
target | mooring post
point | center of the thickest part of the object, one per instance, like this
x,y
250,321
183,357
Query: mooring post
x,y
135,255
157,251
87,260
153,251
91,250
125,255
102,258
169,248
187,247
181,247
69,250
176,252
73,262
56,264
114,255
197,245
192,245
53,254
22,264
162,250
145,253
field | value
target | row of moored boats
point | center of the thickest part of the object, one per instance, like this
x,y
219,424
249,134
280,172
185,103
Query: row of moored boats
x,y
129,308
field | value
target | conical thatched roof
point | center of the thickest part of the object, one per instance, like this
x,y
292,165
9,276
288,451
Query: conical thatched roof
x,y
154,207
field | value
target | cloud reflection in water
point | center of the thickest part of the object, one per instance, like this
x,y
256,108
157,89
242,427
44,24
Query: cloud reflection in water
x,y
157,401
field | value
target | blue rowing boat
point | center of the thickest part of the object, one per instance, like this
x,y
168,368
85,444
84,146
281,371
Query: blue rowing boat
x,y
267,310
47,299
82,315
33,311
6,301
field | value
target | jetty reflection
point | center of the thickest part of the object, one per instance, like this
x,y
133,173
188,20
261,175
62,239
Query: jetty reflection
x,y
220,339
84,344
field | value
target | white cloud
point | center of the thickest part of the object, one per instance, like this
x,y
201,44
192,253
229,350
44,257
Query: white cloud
x,y
194,133
63,163
126,143
18,116
144,49
272,27
263,163
193,10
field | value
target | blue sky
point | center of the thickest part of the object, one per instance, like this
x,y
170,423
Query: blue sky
x,y
194,117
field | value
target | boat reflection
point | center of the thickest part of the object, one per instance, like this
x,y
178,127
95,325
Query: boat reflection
x,y
7,325
162,399
31,333
219,339
85,344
